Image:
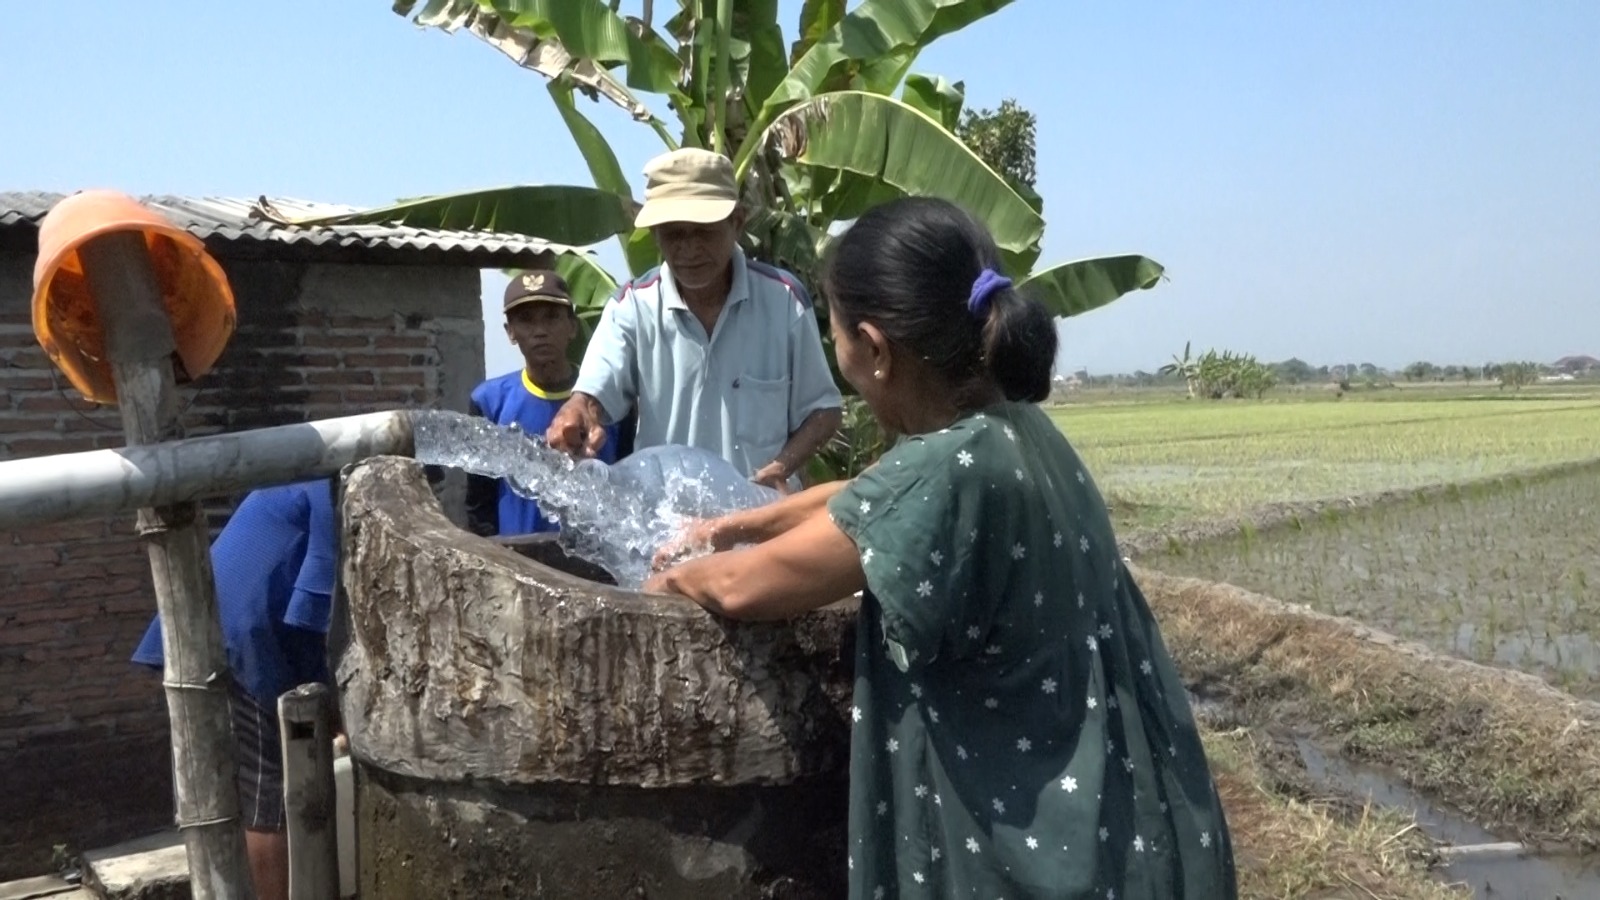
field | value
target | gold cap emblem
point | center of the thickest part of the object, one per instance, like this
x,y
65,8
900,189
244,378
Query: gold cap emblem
x,y
533,282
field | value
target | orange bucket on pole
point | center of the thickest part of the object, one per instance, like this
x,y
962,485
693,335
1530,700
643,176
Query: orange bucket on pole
x,y
194,290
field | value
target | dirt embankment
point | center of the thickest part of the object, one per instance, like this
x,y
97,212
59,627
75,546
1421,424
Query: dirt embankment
x,y
1507,749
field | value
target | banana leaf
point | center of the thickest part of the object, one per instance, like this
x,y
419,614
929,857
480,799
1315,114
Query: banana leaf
x,y
543,53
888,141
603,166
816,18
558,213
588,29
591,288
874,29
1074,288
756,23
936,97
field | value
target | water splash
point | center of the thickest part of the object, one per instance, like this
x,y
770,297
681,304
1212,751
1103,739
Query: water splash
x,y
613,516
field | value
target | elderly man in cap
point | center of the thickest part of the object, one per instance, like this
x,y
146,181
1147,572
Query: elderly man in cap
x,y
711,349
541,323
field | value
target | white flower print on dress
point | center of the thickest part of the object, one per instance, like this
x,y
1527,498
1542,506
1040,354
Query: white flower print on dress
x,y
1105,632
866,507
1082,479
1038,598
964,458
1083,543
866,557
1048,685
936,558
924,588
1024,744
1104,834
972,844
917,877
892,745
992,650
920,790
991,703
1032,842
1019,474
961,752
916,691
1018,551
883,808
1056,539
1138,844
1093,644
1145,667
999,806
1205,839
1093,703
934,854
1011,432
973,631
855,713
1069,784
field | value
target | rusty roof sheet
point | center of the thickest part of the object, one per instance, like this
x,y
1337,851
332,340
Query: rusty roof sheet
x,y
225,222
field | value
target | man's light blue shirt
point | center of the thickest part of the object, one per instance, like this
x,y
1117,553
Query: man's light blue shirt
x,y
739,392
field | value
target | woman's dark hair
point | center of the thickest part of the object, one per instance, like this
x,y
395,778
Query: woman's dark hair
x,y
910,266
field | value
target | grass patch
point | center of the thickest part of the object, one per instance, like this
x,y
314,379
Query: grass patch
x,y
1287,846
1515,754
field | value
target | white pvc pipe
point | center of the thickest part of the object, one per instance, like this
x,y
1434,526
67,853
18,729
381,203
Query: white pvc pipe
x,y
97,483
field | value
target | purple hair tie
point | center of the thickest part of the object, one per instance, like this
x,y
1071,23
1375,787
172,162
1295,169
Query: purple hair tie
x,y
989,281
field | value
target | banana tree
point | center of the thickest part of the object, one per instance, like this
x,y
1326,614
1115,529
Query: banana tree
x,y
815,130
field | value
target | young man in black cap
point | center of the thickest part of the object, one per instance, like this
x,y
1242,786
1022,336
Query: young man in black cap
x,y
542,323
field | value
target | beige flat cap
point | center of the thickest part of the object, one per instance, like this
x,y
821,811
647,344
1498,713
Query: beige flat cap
x,y
687,185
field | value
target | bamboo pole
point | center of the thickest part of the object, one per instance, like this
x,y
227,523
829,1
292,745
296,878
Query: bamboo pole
x,y
99,483
310,795
139,345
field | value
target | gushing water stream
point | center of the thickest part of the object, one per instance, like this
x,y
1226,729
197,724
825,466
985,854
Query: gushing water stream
x,y
613,516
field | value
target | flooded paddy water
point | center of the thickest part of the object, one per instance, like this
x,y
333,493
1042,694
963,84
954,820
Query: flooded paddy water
x,y
1504,573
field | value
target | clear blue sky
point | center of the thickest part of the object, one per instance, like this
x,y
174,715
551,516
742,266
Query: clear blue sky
x,y
1340,181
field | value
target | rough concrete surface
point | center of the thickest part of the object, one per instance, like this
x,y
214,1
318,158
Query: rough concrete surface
x,y
149,868
522,732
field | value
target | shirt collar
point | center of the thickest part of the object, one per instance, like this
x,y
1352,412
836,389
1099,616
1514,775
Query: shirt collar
x,y
738,291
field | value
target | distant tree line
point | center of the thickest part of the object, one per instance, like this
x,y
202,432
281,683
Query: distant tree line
x,y
1221,374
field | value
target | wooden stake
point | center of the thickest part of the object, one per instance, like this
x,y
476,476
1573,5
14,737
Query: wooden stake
x,y
139,345
309,792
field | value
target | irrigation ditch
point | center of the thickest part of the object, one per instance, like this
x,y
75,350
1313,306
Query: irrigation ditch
x,y
1499,767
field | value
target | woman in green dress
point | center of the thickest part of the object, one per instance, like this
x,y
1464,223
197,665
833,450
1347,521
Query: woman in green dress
x,y
1019,729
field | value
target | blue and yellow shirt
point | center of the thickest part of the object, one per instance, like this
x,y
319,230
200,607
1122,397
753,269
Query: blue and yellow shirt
x,y
493,508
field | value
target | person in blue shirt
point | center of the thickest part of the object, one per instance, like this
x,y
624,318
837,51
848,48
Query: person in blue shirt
x,y
542,323
275,565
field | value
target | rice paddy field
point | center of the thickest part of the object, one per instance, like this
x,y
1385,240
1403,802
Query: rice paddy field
x,y
1178,462
1501,566
1465,519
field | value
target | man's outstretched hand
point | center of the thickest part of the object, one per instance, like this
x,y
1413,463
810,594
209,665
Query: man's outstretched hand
x,y
577,428
773,476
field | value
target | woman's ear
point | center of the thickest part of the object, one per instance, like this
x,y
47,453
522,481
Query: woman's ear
x,y
878,349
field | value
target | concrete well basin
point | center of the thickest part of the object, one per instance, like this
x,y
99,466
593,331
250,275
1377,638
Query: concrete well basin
x,y
523,731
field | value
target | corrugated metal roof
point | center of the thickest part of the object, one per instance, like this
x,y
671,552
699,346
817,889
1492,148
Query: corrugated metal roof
x,y
227,221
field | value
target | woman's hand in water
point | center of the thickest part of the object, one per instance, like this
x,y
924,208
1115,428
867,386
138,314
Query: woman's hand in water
x,y
695,534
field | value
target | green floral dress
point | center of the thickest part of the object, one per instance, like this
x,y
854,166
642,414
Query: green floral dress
x,y
1019,729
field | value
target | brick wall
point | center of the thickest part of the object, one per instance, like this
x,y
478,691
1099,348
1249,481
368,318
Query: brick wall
x,y
84,754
